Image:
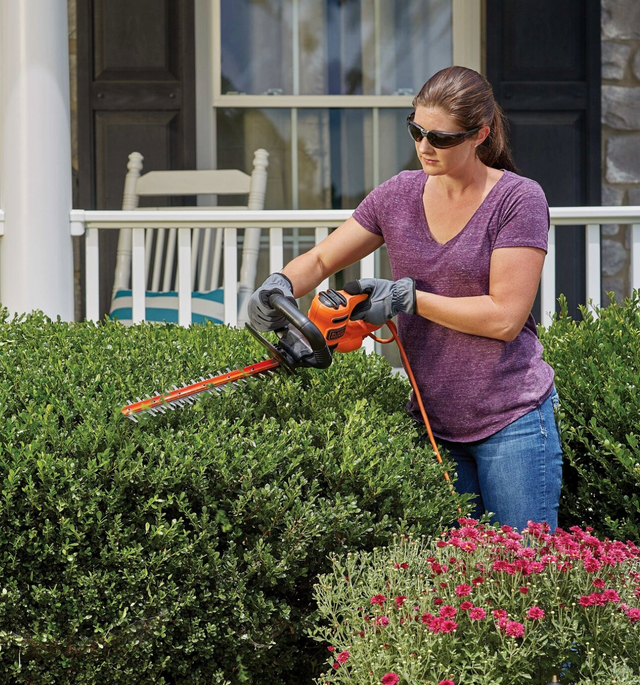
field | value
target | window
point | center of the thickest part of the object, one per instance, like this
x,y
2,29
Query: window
x,y
325,86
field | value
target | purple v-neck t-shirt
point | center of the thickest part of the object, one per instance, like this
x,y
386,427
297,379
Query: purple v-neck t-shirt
x,y
471,386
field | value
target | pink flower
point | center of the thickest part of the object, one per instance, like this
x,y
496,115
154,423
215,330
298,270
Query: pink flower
x,y
382,621
399,600
477,614
591,565
499,613
524,589
466,605
463,590
426,617
514,629
535,613
378,599
447,611
446,681
599,583
336,665
343,657
611,596
448,626
389,679
331,648
633,615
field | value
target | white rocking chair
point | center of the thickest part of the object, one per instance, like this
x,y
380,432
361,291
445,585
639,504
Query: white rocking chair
x,y
206,243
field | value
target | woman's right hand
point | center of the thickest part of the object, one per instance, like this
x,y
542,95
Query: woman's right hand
x,y
261,315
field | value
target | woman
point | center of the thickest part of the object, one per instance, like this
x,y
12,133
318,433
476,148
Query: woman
x,y
466,238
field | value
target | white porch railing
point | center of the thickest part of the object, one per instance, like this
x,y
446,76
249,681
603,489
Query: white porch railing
x,y
276,222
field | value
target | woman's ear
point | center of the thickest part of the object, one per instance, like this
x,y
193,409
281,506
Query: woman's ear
x,y
482,135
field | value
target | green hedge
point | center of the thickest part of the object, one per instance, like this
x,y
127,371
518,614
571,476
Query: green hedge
x,y
184,549
597,365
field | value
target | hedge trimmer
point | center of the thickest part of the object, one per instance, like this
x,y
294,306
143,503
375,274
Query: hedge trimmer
x,y
308,341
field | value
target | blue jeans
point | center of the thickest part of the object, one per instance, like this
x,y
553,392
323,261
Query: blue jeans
x,y
516,473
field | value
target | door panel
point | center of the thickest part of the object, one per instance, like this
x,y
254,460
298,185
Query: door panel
x,y
136,92
543,61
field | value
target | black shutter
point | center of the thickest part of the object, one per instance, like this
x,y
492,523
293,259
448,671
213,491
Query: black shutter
x,y
136,91
543,61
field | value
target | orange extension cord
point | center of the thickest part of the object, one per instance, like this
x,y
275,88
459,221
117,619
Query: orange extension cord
x,y
407,367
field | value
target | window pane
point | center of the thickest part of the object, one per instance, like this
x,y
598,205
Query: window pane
x,y
242,131
334,47
256,46
335,171
397,150
416,39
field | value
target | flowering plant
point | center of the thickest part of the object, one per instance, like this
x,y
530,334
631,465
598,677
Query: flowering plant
x,y
483,605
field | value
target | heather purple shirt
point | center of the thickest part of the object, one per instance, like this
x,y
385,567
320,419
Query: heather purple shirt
x,y
471,386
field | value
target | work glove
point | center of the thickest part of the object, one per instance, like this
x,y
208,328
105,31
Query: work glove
x,y
386,298
261,314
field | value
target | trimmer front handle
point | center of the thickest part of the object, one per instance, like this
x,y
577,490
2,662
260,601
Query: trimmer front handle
x,y
321,357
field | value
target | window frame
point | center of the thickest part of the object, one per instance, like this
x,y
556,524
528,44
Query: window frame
x,y
467,32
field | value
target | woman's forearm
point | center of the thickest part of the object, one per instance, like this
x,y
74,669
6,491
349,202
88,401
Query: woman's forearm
x,y
305,272
481,315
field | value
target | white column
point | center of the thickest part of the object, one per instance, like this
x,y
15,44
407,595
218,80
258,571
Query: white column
x,y
36,262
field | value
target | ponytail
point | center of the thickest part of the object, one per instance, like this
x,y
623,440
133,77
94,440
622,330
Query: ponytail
x,y
494,150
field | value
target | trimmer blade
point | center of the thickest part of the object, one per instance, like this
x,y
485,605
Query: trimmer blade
x,y
184,396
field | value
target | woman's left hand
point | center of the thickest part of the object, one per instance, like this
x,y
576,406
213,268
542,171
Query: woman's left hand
x,y
386,298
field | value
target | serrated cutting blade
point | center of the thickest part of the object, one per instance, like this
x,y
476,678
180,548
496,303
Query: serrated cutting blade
x,y
183,396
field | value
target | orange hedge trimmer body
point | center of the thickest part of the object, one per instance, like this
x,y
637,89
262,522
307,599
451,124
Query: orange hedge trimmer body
x,y
309,341
326,330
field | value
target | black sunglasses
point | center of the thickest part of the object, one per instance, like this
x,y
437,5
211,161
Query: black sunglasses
x,y
437,139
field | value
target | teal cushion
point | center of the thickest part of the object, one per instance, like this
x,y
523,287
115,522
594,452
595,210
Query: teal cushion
x,y
163,307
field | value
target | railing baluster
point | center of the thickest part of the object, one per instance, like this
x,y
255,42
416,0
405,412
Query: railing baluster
x,y
184,276
168,260
217,261
321,233
92,275
593,264
276,250
231,276
367,270
635,256
205,267
157,260
148,245
548,281
195,254
137,275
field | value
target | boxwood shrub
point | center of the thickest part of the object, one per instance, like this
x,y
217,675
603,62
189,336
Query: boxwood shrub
x,y
597,362
184,548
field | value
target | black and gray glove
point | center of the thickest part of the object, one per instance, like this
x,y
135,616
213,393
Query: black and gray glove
x,y
261,314
386,298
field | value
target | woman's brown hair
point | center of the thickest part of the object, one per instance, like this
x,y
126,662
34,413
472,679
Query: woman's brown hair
x,y
467,97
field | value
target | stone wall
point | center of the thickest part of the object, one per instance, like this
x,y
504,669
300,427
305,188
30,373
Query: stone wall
x,y
620,27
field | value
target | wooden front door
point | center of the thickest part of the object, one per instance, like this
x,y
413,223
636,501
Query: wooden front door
x,y
543,61
136,91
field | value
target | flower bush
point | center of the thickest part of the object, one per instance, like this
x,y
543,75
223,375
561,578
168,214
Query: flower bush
x,y
484,605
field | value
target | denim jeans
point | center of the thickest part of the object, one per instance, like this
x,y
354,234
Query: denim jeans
x,y
516,473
